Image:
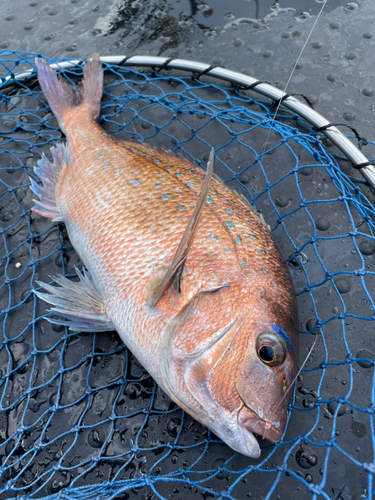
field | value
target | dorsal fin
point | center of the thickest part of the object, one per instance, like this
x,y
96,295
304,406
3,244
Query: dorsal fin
x,y
174,273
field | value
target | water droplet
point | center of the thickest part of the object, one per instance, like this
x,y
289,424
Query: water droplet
x,y
58,260
342,286
308,403
332,77
332,408
133,390
238,42
350,56
350,117
317,45
322,223
282,200
351,6
358,429
286,34
368,91
367,35
218,462
366,247
26,293
305,458
267,54
366,354
334,25
95,438
6,216
359,495
173,427
306,171
310,325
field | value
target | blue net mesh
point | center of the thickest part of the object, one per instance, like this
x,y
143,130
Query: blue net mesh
x,y
79,416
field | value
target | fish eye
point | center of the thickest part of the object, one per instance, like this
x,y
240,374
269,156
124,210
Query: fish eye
x,y
270,349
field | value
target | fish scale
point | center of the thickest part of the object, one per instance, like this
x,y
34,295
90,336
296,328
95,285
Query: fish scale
x,y
128,209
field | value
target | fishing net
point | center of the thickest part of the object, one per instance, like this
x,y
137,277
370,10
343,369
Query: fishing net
x,y
79,416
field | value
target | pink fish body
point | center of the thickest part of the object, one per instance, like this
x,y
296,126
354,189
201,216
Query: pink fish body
x,y
217,329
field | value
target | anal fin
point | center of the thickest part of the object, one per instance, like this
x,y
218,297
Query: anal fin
x,y
79,302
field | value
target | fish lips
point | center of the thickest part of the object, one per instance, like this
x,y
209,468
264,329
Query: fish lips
x,y
253,423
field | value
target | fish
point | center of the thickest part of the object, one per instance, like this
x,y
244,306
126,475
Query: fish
x,y
182,267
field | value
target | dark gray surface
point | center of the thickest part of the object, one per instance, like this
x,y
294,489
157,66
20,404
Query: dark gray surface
x,y
337,73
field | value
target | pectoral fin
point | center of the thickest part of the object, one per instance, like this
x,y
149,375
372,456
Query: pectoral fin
x,y
79,302
174,272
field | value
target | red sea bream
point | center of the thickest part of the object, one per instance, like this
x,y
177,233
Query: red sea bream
x,y
183,268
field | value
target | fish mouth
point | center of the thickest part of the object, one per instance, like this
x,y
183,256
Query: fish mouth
x,y
253,423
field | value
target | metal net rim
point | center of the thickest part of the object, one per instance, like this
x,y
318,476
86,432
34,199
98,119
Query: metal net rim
x,y
247,82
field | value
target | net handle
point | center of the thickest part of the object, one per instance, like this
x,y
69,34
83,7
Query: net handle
x,y
314,118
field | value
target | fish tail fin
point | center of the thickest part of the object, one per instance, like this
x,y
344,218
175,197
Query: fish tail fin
x,y
64,97
50,174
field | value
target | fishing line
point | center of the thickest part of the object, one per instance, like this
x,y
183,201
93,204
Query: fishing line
x,y
269,422
293,70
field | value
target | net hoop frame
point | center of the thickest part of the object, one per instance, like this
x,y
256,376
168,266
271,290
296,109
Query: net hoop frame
x,y
314,118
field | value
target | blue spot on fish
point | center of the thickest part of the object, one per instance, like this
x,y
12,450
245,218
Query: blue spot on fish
x,y
267,261
238,240
263,251
253,236
229,224
134,182
190,184
136,171
243,264
105,147
105,161
210,235
280,331
183,218
156,185
208,200
179,175
218,239
165,197
229,212
181,207
228,250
